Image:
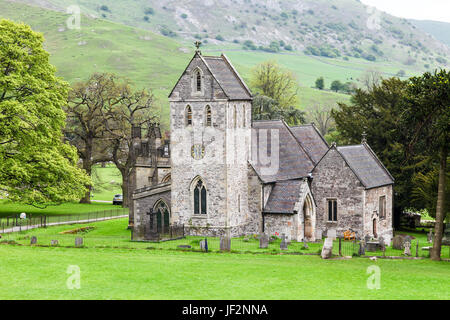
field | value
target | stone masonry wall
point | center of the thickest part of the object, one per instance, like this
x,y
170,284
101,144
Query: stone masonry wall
x,y
333,179
372,211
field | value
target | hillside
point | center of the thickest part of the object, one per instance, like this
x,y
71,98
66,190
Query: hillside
x,y
155,61
327,28
439,30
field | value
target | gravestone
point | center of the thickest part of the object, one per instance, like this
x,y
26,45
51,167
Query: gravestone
x,y
54,242
327,249
367,239
372,246
417,248
184,246
225,244
33,240
305,245
397,243
78,242
446,237
407,251
430,236
204,245
283,244
382,244
263,241
362,248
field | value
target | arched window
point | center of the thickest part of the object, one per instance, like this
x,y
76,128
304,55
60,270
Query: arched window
x,y
198,80
200,197
208,116
188,113
235,117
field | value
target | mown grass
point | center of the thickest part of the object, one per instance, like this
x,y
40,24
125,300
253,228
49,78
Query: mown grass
x,y
41,273
107,182
8,208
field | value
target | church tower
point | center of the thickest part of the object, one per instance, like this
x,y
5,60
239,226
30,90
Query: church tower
x,y
210,117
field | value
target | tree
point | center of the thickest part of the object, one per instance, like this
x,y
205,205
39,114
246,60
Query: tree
x,y
85,128
371,78
270,80
265,108
427,120
36,166
132,110
378,112
336,85
320,83
322,118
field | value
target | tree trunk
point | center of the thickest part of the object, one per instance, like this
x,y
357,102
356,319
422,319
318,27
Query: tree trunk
x,y
440,207
87,166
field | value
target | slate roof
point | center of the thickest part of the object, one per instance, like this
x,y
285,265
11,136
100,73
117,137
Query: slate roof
x,y
283,197
311,139
227,77
366,165
294,162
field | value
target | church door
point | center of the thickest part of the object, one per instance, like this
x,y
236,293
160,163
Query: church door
x,y
307,211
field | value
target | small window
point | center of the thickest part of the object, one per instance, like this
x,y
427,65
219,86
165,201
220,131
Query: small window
x,y
208,116
235,117
199,81
332,210
243,116
382,207
188,116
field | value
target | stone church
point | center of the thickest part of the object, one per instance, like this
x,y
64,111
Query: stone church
x,y
224,174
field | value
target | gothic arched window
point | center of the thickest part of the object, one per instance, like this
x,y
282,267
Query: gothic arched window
x,y
188,114
208,116
200,197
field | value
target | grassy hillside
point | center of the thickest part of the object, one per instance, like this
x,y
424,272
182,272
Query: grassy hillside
x,y
342,28
154,61
439,30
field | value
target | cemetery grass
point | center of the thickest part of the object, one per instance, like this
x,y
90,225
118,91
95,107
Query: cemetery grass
x,y
41,273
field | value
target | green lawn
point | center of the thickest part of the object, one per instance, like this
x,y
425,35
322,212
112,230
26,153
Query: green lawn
x,y
107,182
40,273
7,208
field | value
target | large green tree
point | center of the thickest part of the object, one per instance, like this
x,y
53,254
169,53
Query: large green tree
x,y
426,120
36,166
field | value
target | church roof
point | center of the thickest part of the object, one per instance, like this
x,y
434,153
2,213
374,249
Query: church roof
x,y
284,196
228,78
366,165
311,139
292,161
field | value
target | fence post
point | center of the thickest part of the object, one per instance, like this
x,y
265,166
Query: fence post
x,y
340,246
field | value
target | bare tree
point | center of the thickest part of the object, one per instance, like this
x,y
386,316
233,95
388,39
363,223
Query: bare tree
x,y
85,128
322,117
371,78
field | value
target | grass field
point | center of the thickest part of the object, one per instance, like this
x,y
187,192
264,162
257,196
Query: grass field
x,y
41,273
107,182
8,208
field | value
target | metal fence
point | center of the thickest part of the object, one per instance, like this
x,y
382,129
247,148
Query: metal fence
x,y
16,224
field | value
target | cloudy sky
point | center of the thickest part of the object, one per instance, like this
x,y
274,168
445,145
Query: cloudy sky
x,y
438,10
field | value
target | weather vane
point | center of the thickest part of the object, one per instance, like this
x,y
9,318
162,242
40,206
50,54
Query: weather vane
x,y
197,45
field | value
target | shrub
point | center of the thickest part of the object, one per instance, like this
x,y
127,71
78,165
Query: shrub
x,y
220,38
146,18
149,11
184,15
320,83
104,8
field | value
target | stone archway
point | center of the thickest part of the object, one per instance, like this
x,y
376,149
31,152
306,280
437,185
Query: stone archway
x,y
308,218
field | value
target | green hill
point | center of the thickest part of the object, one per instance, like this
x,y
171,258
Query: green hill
x,y
156,61
439,30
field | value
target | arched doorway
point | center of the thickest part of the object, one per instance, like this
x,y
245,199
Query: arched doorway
x,y
307,218
162,214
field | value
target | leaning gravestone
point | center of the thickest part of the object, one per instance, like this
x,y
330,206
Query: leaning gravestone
x,y
54,242
225,244
331,233
33,240
362,248
263,241
78,242
397,243
327,248
407,251
283,244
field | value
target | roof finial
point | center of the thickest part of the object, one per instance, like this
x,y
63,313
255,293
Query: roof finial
x,y
364,136
197,45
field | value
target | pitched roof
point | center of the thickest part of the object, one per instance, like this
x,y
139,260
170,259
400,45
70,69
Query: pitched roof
x,y
311,139
366,165
293,161
228,78
283,197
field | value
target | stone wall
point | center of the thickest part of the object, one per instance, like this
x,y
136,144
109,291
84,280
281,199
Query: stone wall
x,y
143,202
333,179
281,223
372,211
